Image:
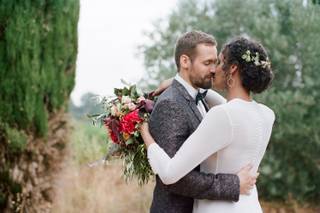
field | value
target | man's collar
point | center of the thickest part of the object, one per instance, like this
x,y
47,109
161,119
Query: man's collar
x,y
192,91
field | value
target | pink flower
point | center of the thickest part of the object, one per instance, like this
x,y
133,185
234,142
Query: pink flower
x,y
132,106
147,105
141,98
114,110
126,100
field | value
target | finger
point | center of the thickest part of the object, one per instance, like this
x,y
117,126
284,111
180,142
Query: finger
x,y
253,180
153,93
156,92
254,176
248,166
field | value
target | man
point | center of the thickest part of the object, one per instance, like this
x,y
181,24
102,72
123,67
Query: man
x,y
177,113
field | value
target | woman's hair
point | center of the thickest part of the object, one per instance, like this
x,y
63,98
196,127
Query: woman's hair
x,y
252,61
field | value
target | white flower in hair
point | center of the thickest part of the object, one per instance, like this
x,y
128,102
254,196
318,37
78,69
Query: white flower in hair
x,y
248,57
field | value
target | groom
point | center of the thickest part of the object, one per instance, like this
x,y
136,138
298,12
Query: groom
x,y
177,113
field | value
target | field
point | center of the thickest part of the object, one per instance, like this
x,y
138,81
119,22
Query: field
x,y
80,188
101,189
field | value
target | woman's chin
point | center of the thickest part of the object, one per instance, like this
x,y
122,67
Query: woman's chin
x,y
217,87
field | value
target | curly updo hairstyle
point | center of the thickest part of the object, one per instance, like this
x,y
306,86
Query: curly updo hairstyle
x,y
255,78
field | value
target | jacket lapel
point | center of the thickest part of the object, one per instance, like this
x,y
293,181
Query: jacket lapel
x,y
187,96
206,106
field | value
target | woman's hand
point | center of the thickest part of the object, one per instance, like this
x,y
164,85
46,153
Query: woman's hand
x,y
163,86
146,136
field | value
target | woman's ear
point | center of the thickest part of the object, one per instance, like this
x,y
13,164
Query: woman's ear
x,y
233,69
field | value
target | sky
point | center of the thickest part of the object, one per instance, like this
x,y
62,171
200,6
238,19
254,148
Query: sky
x,y
108,34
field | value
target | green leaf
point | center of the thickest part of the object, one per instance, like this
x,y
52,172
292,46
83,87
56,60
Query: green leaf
x,y
129,141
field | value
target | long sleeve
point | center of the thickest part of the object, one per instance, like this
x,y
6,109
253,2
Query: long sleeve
x,y
213,98
213,134
169,126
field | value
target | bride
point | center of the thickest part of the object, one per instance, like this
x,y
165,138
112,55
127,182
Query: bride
x,y
231,135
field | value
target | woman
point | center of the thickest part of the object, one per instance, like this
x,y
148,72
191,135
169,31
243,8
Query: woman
x,y
231,135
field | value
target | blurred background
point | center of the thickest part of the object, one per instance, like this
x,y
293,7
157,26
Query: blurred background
x,y
56,56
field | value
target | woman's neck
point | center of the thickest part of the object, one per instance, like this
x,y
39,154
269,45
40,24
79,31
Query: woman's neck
x,y
238,92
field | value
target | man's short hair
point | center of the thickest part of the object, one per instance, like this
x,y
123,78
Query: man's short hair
x,y
187,43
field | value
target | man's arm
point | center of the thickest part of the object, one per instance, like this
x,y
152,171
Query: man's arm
x,y
169,127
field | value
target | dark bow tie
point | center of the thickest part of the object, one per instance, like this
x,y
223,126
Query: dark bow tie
x,y
200,96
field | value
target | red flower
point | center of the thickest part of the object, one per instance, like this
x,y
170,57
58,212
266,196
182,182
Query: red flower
x,y
129,121
113,136
113,129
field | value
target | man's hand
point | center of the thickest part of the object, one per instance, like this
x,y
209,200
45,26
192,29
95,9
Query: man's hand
x,y
247,180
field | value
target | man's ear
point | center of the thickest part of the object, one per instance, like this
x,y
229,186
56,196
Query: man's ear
x,y
185,61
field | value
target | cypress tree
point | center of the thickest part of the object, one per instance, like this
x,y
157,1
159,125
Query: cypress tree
x,y
38,47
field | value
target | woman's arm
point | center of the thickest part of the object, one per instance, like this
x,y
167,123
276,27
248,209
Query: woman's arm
x,y
213,98
199,146
163,86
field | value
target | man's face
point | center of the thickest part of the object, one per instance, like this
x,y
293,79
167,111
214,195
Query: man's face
x,y
203,65
219,79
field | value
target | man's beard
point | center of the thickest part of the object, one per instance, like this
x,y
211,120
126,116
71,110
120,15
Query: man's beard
x,y
203,83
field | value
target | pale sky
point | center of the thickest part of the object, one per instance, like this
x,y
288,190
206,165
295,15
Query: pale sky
x,y
109,32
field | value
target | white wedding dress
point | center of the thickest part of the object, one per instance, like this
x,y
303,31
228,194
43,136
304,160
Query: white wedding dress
x,y
229,137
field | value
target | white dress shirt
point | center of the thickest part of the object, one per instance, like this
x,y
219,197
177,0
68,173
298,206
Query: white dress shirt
x,y
193,92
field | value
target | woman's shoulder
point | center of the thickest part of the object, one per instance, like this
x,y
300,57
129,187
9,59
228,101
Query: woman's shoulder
x,y
225,108
267,111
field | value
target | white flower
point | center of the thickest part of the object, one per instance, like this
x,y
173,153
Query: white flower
x,y
126,100
114,110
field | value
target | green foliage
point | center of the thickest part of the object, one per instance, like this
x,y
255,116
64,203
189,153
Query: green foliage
x,y
88,143
289,29
17,140
38,46
2,200
90,105
135,165
291,165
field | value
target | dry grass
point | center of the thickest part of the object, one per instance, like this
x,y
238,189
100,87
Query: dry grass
x,y
100,190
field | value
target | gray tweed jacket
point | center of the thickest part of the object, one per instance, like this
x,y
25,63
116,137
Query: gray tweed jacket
x,y
174,117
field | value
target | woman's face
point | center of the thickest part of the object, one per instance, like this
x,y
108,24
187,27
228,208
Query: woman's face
x,y
219,79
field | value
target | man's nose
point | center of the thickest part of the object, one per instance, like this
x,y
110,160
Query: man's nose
x,y
213,69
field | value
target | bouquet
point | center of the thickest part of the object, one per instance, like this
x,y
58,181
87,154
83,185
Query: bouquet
x,y
122,116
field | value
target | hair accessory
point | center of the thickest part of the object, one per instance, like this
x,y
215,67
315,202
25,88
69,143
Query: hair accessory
x,y
248,57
